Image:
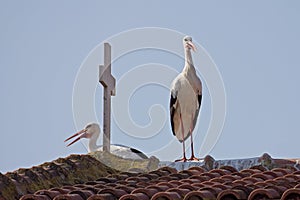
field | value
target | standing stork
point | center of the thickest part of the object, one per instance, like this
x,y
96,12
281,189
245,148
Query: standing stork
x,y
92,132
185,101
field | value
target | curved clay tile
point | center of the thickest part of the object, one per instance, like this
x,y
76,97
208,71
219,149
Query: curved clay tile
x,y
246,189
292,177
262,184
291,194
149,176
83,193
222,172
166,196
130,174
68,197
271,182
187,186
227,194
107,180
282,181
109,185
101,197
160,188
117,193
210,175
252,180
264,193
214,190
168,184
209,183
230,177
168,169
273,174
250,172
180,175
127,189
61,190
242,175
252,186
168,178
69,187
175,182
160,172
143,184
200,169
49,193
190,181
217,180
137,196
229,168
181,191
205,194
91,188
34,197
149,191
284,171
153,182
262,176
239,182
223,186
191,172
138,179
79,186
279,188
131,183
197,186
201,178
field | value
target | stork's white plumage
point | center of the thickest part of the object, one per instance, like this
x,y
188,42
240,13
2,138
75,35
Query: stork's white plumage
x,y
92,132
185,101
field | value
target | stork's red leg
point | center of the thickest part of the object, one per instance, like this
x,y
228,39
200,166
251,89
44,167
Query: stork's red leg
x,y
184,157
193,158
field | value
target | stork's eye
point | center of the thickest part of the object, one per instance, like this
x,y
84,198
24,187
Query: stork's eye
x,y
186,39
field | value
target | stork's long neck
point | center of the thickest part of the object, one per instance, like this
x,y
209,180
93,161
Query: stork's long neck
x,y
189,65
93,143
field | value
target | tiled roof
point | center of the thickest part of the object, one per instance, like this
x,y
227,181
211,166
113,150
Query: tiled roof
x,y
224,183
75,169
275,179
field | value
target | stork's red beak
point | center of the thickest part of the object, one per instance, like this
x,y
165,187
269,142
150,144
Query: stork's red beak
x,y
191,45
81,134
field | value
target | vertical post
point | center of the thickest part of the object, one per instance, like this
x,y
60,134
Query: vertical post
x,y
108,82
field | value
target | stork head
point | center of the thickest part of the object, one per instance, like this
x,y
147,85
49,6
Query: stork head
x,y
92,130
188,44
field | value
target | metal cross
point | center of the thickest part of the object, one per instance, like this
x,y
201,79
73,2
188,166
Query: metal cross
x,y
108,82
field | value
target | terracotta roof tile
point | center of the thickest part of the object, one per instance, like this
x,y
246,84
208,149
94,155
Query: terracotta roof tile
x,y
165,183
229,193
69,197
181,191
49,193
204,194
264,194
291,194
34,197
166,196
136,196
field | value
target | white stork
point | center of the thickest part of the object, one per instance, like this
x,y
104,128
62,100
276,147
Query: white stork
x,y
185,101
92,132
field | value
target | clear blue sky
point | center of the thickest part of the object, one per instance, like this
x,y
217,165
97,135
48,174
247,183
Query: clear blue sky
x,y
255,45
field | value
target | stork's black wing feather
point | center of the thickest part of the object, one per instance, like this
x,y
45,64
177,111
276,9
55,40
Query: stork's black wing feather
x,y
172,111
